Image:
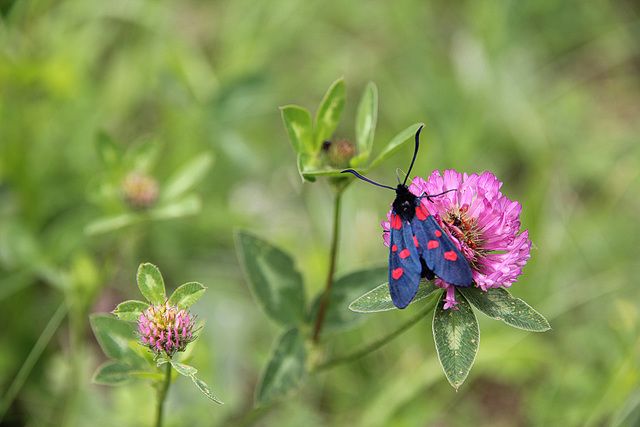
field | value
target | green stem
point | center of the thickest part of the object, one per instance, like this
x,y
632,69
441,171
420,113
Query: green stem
x,y
32,358
355,355
324,304
162,394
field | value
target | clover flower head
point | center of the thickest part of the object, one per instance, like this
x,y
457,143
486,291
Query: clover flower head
x,y
166,330
140,190
482,223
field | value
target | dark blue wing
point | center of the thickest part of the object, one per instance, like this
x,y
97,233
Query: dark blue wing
x,y
404,262
438,251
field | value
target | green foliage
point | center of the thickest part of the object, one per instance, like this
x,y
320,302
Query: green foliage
x,y
338,317
116,338
130,311
285,370
186,295
379,299
190,371
543,94
151,284
307,138
457,337
276,284
499,304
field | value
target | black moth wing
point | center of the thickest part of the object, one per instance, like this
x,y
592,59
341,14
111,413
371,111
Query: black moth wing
x,y
439,253
405,266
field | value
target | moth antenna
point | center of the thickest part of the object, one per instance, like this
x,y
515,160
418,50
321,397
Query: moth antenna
x,y
429,196
415,153
366,179
398,172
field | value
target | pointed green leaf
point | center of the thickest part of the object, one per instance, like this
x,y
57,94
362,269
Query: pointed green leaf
x,y
130,310
183,369
204,388
379,298
114,336
151,284
186,295
276,284
499,304
187,176
190,371
457,338
109,152
112,373
395,144
366,121
285,370
338,317
297,123
329,113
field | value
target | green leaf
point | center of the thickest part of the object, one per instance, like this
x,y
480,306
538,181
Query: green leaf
x,y
379,298
329,113
276,284
395,144
498,303
297,123
366,122
130,310
457,338
111,223
151,284
307,162
114,336
190,371
186,295
112,373
285,370
109,152
187,205
187,176
338,317
183,369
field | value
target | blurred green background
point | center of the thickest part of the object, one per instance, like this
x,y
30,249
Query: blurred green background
x,y
546,95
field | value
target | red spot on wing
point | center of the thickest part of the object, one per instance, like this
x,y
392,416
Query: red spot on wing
x,y
415,241
404,253
421,213
438,233
432,244
397,273
451,255
396,222
394,248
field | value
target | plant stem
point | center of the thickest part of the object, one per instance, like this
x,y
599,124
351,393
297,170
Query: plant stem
x,y
32,358
355,355
162,394
324,304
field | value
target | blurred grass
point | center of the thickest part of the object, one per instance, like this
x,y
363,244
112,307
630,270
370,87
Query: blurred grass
x,y
544,94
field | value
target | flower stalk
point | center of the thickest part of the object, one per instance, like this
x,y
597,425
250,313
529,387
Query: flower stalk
x,y
162,394
375,345
333,256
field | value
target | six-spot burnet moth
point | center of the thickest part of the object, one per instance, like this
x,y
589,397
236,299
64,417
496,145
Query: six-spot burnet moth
x,y
418,247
